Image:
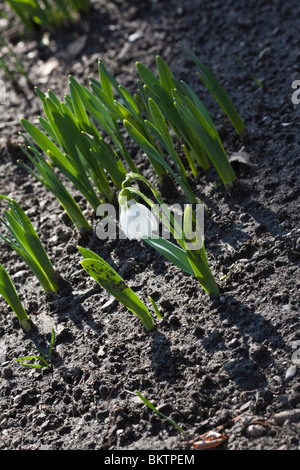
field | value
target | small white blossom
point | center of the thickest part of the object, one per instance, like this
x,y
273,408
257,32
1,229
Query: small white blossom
x,y
136,220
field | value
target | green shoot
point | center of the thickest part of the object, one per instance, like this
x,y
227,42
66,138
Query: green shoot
x,y
8,292
190,255
24,240
47,177
188,117
75,160
152,407
47,14
196,116
43,358
104,118
154,89
76,147
126,108
154,155
110,280
155,308
244,66
217,91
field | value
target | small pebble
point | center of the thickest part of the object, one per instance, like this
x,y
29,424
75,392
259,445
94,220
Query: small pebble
x,y
101,352
291,372
109,304
234,343
255,430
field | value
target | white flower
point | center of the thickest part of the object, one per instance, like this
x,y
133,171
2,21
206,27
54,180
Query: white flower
x,y
136,220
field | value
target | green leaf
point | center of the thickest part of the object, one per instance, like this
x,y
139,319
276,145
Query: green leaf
x,y
162,132
110,105
48,129
108,159
51,342
163,99
166,77
197,257
8,291
28,245
208,138
51,181
28,358
103,117
152,407
155,158
78,108
69,163
217,91
110,280
199,105
41,139
155,308
165,102
173,253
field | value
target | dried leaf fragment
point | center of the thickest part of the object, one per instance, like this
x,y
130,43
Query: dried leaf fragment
x,y
209,440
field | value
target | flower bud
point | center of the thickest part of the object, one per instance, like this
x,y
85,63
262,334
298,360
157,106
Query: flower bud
x,y
136,220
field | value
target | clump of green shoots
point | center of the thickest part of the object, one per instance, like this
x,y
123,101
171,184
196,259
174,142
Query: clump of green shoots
x,y
71,141
8,292
64,143
162,104
190,254
187,116
111,103
113,283
69,138
46,175
47,14
43,358
100,106
23,239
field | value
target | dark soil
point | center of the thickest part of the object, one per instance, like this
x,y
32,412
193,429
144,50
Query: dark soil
x,y
228,362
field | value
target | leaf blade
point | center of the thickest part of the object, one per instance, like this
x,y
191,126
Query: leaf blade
x,y
113,283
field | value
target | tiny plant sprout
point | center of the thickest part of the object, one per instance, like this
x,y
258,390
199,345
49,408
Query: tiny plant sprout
x,y
8,292
110,280
43,358
152,407
23,239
